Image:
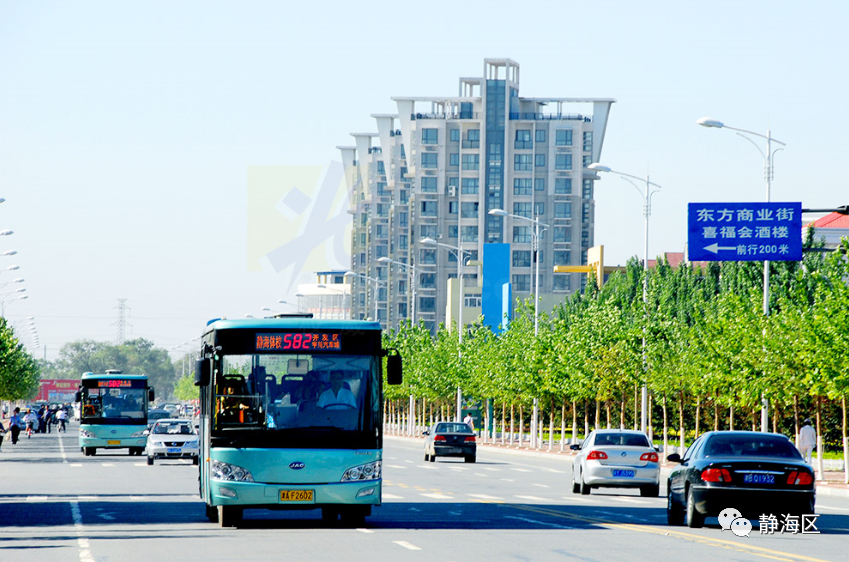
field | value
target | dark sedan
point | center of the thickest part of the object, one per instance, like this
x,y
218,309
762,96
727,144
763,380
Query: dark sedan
x,y
450,439
755,473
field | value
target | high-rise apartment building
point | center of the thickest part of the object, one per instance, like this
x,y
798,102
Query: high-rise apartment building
x,y
438,167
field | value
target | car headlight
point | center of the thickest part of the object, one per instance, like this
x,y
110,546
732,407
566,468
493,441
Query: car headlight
x,y
370,471
86,433
230,472
138,433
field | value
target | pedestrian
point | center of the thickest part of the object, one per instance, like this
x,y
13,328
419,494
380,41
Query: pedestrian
x,y
15,423
30,419
62,415
807,440
469,421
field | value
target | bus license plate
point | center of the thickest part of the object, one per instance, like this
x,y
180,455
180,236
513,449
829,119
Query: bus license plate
x,y
113,442
623,473
296,495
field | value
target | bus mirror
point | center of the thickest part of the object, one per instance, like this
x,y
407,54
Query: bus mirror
x,y
202,372
78,396
150,395
393,369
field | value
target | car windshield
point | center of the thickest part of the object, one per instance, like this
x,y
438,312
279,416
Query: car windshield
x,y
173,428
626,439
453,428
751,446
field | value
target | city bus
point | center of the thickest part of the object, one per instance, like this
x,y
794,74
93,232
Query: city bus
x,y
113,412
291,416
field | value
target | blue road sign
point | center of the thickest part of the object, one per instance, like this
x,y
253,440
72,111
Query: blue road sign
x,y
744,231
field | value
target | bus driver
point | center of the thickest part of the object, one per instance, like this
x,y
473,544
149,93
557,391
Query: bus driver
x,y
337,395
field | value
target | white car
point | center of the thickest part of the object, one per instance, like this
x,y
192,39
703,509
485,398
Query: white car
x,y
616,458
172,439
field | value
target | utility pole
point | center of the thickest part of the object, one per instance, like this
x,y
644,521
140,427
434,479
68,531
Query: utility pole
x,y
122,320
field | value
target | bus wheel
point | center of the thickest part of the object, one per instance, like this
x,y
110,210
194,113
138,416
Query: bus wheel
x,y
229,515
329,515
149,461
212,513
355,516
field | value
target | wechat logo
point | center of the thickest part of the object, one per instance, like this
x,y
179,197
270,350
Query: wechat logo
x,y
731,519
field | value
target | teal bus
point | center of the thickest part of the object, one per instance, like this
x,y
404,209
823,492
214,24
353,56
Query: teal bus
x,y
291,416
113,412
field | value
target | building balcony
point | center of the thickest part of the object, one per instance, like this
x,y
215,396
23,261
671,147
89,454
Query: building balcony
x,y
549,117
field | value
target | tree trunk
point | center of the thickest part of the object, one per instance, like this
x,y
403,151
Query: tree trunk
x,y
731,418
796,418
649,426
775,418
607,408
715,415
622,411
597,414
665,430
845,444
551,424
820,452
586,417
512,422
503,420
563,425
574,421
698,414
681,429
521,425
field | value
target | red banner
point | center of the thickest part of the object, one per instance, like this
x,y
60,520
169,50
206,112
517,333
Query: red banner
x,y
57,390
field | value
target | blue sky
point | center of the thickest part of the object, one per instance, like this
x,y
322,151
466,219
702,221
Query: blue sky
x,y
127,129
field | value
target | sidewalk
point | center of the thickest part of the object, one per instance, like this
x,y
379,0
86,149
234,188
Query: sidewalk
x,y
831,484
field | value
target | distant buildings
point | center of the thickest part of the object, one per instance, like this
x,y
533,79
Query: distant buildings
x,y
435,170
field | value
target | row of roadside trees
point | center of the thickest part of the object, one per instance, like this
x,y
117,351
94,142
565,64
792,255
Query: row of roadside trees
x,y
19,372
709,355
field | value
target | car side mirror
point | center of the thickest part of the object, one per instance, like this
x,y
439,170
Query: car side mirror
x,y
575,447
425,432
146,432
674,457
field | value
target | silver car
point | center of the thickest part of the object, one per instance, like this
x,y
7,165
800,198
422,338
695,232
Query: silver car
x,y
172,439
616,458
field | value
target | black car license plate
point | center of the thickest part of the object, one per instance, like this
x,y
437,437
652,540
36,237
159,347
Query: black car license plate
x,y
759,478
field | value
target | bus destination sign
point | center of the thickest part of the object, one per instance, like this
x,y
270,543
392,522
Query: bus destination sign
x,y
299,341
115,383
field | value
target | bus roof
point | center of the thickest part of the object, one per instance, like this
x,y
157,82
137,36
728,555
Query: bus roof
x,y
93,376
293,323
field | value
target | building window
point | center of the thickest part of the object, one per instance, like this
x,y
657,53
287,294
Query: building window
x,y
403,219
403,242
522,209
454,159
427,257
470,185
428,184
522,283
403,196
522,234
472,301
587,160
563,137
588,141
521,186
521,258
428,230
588,189
469,234
427,280
452,207
540,135
429,160
585,212
454,135
539,184
523,139
452,230
539,160
382,210
562,234
561,257
563,186
381,230
539,209
473,139
381,168
402,309
469,210
430,136
471,161
522,162
561,283
428,208
562,161
562,210
427,304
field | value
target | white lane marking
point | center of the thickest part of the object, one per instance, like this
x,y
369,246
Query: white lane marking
x,y
455,513
542,485
391,496
407,545
366,531
492,469
521,470
427,467
107,464
395,466
628,500
86,498
554,470
576,498
408,461
482,475
36,498
535,522
533,498
483,497
82,542
75,464
437,496
507,480
820,506
136,498
139,464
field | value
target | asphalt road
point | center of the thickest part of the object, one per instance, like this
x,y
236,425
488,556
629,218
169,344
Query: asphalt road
x,y
57,505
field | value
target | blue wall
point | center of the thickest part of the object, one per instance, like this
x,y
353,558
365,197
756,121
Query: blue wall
x,y
496,273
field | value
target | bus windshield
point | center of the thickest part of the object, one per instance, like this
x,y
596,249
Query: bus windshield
x,y
283,396
113,406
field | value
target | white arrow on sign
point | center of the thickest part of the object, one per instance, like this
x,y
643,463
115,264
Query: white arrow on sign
x,y
715,248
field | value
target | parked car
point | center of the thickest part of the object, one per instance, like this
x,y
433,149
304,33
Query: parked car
x,y
616,458
753,472
171,438
450,439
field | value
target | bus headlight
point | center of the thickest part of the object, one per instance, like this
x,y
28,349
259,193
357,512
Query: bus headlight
x,y
370,471
85,433
230,472
138,433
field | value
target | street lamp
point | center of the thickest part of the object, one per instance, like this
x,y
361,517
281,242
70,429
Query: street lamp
x,y
460,253
338,292
412,269
303,296
713,123
377,283
650,189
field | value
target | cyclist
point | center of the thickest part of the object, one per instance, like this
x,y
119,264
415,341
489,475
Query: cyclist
x,y
30,418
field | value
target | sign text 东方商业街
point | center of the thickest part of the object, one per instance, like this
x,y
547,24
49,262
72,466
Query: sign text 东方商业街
x,y
744,231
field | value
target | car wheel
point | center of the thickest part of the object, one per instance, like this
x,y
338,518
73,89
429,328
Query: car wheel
x,y
470,458
674,513
584,487
695,520
195,461
149,461
229,515
575,487
652,491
